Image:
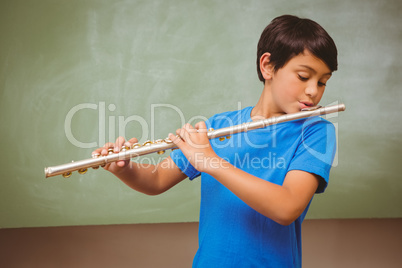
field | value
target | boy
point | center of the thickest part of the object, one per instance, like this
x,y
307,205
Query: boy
x,y
256,187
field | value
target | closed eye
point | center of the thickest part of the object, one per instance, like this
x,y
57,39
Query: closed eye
x,y
322,84
302,78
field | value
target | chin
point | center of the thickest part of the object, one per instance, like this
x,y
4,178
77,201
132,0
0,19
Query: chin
x,y
294,109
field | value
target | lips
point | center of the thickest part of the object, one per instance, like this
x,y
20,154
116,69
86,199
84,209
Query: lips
x,y
304,105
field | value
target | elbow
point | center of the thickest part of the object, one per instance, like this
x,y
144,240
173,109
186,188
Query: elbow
x,y
285,222
155,190
152,192
148,191
287,217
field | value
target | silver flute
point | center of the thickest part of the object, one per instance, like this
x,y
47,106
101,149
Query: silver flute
x,y
160,146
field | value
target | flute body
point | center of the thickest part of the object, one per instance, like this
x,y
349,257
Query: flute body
x,y
166,144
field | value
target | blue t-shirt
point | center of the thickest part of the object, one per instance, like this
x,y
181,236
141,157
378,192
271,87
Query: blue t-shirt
x,y
231,234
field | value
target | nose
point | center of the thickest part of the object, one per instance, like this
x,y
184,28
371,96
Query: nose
x,y
311,90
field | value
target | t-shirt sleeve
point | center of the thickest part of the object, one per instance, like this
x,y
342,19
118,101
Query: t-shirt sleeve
x,y
316,151
183,164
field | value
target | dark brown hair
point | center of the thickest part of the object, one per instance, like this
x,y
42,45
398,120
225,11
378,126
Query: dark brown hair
x,y
287,36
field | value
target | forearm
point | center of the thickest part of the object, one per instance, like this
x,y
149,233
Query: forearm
x,y
143,179
150,179
281,203
277,202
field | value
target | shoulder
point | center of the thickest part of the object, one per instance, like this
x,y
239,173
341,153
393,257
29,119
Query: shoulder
x,y
315,125
229,118
316,149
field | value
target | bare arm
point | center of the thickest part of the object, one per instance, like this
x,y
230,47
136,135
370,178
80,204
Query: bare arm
x,y
151,179
145,178
281,203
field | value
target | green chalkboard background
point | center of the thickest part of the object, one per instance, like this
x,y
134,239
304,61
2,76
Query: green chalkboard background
x,y
77,73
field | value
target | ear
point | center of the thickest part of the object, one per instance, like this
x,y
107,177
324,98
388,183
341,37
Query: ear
x,y
266,67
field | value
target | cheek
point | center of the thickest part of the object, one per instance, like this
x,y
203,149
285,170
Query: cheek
x,y
287,87
293,88
319,96
286,95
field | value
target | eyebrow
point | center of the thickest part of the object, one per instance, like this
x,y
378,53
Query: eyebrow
x,y
313,70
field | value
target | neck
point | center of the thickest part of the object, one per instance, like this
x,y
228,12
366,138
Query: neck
x,y
265,107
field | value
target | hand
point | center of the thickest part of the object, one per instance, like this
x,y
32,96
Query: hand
x,y
115,167
195,145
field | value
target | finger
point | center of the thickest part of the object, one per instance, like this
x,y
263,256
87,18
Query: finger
x,y
96,152
102,150
106,166
189,128
131,142
176,139
181,132
106,147
121,163
186,131
201,126
119,144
